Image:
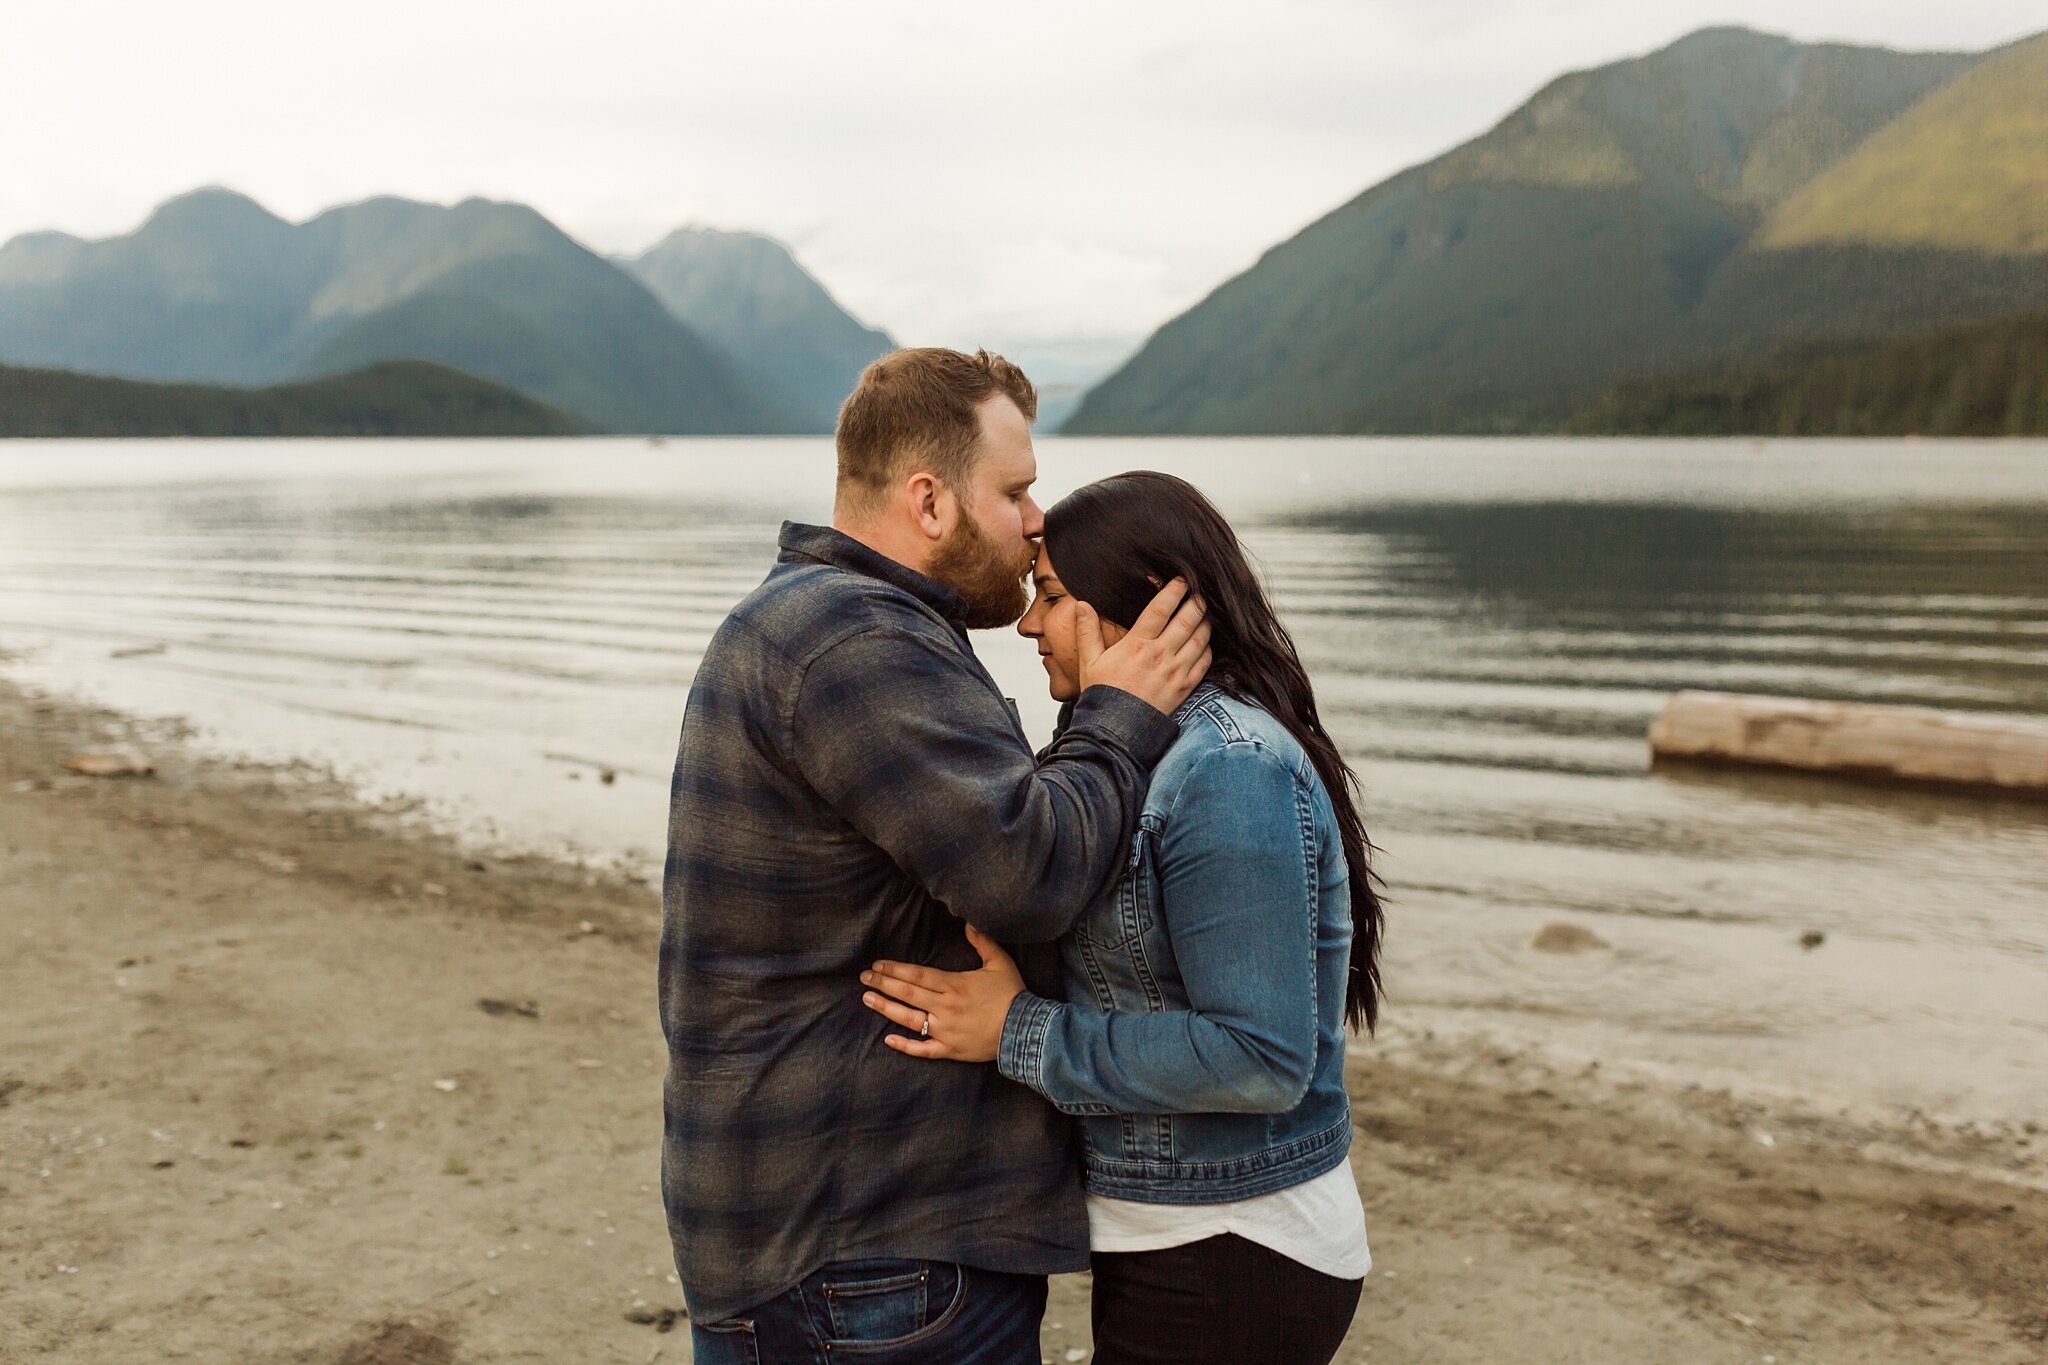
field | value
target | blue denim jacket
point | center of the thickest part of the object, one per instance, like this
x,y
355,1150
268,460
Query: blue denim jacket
x,y
1202,1039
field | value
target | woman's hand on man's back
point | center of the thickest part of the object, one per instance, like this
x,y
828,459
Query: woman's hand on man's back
x,y
952,1016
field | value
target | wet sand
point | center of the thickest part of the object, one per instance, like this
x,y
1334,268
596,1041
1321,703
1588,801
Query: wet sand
x,y
251,1109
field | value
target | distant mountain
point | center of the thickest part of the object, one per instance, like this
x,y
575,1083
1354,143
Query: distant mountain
x,y
214,288
748,295
1636,219
394,398
1966,169
1971,379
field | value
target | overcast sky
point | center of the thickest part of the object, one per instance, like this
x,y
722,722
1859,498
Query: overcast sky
x,y
1035,176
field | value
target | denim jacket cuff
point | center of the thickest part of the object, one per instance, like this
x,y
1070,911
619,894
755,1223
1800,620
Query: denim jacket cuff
x,y
1140,728
1021,1054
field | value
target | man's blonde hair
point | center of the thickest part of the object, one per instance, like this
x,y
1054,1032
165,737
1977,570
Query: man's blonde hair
x,y
917,409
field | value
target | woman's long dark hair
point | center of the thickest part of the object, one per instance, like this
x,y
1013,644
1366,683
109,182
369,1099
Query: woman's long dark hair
x,y
1114,542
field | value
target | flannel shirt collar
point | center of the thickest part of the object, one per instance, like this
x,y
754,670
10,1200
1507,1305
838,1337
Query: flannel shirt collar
x,y
825,545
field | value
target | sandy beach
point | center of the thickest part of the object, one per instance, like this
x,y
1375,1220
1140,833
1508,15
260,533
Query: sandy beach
x,y
254,1107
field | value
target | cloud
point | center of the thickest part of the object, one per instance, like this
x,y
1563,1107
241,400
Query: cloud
x,y
1069,169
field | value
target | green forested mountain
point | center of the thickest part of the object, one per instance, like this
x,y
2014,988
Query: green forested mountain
x,y
213,288
749,297
393,398
1972,379
1642,218
1965,169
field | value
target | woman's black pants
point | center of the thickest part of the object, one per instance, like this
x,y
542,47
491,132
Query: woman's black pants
x,y
1222,1300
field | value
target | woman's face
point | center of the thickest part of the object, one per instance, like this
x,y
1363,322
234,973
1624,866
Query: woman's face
x,y
1051,623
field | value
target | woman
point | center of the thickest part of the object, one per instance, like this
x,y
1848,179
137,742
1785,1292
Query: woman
x,y
1202,1038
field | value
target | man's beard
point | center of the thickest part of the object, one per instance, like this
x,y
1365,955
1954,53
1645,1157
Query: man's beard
x,y
991,583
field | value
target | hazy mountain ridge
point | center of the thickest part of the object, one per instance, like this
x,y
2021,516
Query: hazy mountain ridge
x,y
213,288
394,398
1602,231
749,296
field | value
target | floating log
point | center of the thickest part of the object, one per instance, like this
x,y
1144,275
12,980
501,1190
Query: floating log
x,y
1895,743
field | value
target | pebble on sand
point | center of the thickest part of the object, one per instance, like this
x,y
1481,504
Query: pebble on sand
x,y
119,764
1812,939
1558,937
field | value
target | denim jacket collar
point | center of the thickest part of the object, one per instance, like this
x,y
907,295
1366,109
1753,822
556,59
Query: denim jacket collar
x,y
825,545
1204,690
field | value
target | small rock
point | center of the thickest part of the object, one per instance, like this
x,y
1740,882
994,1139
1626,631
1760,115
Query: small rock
x,y
434,889
1812,939
660,1319
584,926
529,1009
277,862
137,651
607,777
1076,1353
122,764
445,1084
1558,937
1760,1137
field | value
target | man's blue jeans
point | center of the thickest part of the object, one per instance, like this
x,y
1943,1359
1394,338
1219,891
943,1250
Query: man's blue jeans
x,y
885,1312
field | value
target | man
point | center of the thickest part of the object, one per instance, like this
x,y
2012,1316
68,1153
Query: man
x,y
849,781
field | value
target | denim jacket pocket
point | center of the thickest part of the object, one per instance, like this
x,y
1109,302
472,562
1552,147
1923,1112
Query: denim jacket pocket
x,y
1127,911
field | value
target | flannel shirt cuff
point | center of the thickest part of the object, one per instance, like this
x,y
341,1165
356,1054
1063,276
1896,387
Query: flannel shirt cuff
x,y
1140,728
1021,1054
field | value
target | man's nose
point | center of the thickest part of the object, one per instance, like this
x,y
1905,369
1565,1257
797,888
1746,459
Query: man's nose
x,y
1034,519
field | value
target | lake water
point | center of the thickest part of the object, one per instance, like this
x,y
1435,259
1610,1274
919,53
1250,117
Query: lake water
x,y
487,626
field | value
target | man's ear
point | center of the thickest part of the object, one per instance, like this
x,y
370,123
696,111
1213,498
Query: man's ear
x,y
930,504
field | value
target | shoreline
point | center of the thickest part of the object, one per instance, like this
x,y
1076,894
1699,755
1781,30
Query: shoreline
x,y
254,1109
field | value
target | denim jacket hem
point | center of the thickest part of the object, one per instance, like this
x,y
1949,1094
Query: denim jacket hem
x,y
1218,1182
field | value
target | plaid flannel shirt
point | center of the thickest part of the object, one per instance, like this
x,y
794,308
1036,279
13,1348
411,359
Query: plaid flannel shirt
x,y
849,779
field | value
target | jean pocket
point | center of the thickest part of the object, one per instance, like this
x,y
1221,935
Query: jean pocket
x,y
724,1343
891,1303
